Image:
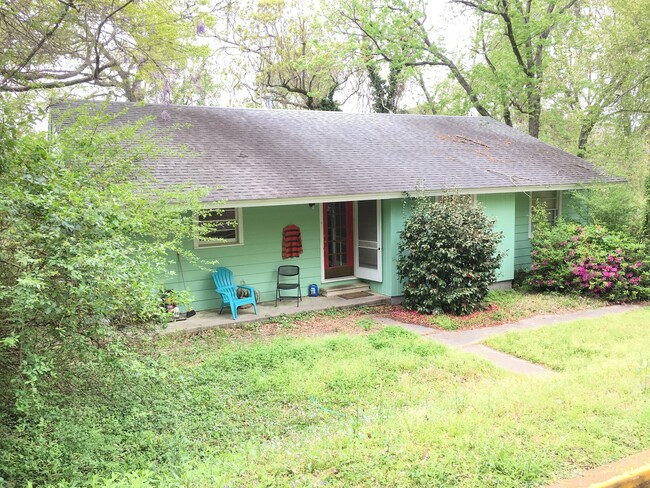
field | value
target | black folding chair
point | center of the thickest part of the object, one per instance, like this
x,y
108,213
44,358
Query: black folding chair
x,y
288,279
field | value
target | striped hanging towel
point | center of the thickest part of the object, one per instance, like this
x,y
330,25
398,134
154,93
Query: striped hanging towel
x,y
291,242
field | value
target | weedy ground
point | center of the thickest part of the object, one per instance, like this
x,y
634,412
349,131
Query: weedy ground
x,y
500,307
337,399
384,407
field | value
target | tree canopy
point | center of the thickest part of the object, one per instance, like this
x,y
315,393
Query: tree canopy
x,y
288,54
133,47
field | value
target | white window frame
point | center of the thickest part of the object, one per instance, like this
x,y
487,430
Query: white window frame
x,y
239,231
558,210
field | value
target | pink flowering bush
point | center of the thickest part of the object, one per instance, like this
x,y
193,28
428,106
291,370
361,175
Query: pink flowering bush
x,y
590,260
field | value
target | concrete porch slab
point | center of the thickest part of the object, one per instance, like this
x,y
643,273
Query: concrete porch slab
x,y
209,319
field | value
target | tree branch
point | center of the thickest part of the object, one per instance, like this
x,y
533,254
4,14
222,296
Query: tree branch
x,y
510,34
48,34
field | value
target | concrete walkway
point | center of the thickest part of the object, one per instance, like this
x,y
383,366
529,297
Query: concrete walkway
x,y
506,361
467,337
469,340
210,319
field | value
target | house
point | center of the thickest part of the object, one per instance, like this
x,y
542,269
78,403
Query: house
x,y
341,179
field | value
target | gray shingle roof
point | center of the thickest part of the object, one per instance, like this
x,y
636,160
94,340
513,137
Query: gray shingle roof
x,y
285,154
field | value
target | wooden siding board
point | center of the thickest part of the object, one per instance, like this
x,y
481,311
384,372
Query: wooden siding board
x,y
392,216
522,217
501,207
522,241
255,262
395,212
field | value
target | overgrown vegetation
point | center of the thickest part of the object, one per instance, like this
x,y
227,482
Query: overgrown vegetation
x,y
448,255
81,241
646,219
213,397
590,260
84,239
609,206
382,409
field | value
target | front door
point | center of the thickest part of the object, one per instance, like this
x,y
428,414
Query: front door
x,y
367,248
338,243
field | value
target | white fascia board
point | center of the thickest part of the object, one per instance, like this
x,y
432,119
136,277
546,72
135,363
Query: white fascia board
x,y
384,196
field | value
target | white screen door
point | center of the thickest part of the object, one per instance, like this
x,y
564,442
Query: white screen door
x,y
367,240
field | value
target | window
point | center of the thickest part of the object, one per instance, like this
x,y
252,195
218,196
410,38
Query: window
x,y
224,228
551,200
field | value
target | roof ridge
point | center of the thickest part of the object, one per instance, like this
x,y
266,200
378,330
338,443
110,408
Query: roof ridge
x,y
273,110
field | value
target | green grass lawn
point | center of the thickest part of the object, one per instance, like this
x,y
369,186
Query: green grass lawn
x,y
389,409
376,408
584,344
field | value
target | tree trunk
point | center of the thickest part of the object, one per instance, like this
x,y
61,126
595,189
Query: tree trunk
x,y
534,112
588,123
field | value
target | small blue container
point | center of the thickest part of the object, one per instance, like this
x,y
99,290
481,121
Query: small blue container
x,y
313,290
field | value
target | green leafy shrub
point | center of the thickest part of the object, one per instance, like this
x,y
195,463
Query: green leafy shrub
x,y
86,238
609,206
590,260
448,256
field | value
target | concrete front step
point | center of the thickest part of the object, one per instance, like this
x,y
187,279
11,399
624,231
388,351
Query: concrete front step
x,y
336,290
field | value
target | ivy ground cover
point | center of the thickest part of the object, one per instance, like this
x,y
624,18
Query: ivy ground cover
x,y
387,408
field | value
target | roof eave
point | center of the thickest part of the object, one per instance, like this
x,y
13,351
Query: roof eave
x,y
389,196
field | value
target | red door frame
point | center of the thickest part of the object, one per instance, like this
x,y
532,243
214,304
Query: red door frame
x,y
348,268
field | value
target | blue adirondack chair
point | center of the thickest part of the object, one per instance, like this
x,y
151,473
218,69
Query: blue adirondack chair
x,y
223,281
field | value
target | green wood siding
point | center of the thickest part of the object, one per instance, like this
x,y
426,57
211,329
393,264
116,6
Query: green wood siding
x,y
393,214
522,225
522,241
255,262
501,207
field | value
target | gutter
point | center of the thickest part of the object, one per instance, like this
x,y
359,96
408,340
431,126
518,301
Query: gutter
x,y
225,203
